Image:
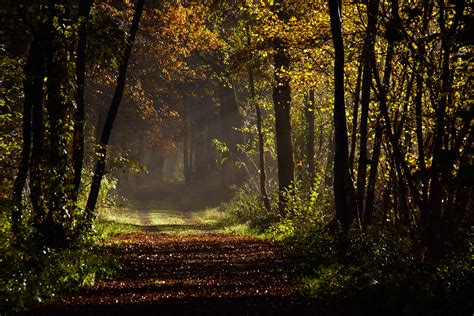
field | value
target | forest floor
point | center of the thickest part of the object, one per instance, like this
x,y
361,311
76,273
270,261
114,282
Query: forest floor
x,y
174,263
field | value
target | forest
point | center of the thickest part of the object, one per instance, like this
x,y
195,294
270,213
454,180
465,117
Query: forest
x,y
236,157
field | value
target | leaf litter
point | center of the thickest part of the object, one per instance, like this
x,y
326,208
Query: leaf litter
x,y
159,268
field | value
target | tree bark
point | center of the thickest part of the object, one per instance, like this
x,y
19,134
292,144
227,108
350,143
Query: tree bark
x,y
309,115
33,92
114,107
398,155
281,103
439,167
355,115
79,114
419,126
186,164
369,203
261,141
328,173
368,51
57,110
36,170
346,209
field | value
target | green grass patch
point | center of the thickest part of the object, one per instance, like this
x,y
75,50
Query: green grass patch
x,y
116,220
152,218
222,221
157,217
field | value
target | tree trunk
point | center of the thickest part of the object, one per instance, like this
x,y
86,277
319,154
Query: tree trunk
x,y
261,141
309,114
281,104
33,92
57,108
440,167
369,204
186,166
397,153
346,210
419,135
79,114
114,107
328,173
355,115
368,51
36,169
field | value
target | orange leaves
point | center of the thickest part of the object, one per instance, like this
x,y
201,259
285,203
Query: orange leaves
x,y
175,33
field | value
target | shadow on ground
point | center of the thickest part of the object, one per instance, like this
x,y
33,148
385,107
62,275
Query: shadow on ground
x,y
207,274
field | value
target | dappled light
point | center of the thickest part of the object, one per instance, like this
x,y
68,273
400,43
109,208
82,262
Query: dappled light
x,y
228,157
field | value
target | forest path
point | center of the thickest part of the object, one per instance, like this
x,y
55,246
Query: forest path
x,y
192,274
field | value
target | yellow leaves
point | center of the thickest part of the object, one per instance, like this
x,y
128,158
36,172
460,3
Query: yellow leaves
x,y
186,27
175,33
306,35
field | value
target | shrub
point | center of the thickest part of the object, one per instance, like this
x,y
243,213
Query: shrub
x,y
247,207
31,272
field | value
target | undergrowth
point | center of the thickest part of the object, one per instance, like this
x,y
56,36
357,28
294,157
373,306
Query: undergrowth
x,y
31,272
377,269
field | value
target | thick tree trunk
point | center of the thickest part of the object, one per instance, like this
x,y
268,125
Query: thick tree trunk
x,y
114,107
346,210
79,114
192,153
57,110
281,104
36,169
309,115
33,92
51,195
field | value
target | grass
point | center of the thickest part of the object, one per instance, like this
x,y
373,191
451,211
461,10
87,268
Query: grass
x,y
113,221
153,218
225,223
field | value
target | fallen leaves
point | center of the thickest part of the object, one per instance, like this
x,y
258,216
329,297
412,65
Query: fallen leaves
x,y
161,268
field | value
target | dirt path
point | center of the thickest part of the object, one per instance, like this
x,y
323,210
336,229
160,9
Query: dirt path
x,y
188,274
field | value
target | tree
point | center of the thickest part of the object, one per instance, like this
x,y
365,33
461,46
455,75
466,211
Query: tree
x,y
101,151
282,105
261,141
343,188
309,114
33,97
79,115
367,52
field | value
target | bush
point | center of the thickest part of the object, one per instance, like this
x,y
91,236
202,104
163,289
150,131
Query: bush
x,y
31,272
247,207
378,269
